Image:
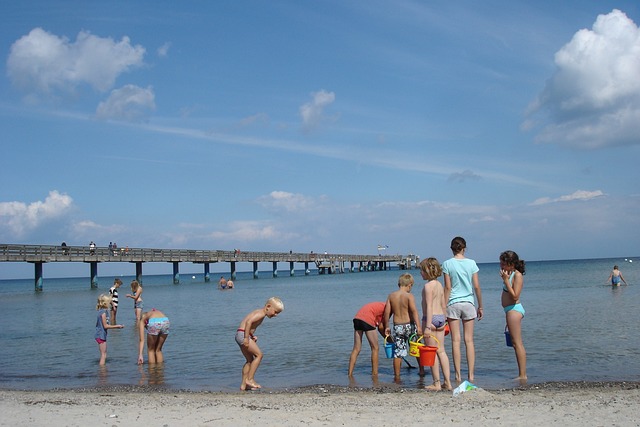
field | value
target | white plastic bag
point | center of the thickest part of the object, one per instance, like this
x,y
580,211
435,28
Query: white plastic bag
x,y
464,386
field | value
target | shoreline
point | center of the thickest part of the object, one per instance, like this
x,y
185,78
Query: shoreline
x,y
569,403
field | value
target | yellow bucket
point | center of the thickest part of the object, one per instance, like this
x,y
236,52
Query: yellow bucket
x,y
414,346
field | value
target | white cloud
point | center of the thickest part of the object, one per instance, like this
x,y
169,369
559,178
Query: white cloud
x,y
578,195
163,50
289,202
129,103
313,112
593,98
252,231
41,62
88,228
19,218
256,118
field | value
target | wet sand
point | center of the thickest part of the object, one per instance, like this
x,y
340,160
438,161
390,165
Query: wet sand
x,y
569,404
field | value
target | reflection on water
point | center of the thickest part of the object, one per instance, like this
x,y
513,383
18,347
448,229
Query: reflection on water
x,y
103,376
151,374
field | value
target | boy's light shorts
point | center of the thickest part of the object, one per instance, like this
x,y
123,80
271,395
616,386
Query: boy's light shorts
x,y
462,310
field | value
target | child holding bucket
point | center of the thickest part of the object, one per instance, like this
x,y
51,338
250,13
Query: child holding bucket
x,y
402,306
366,321
511,272
248,342
434,318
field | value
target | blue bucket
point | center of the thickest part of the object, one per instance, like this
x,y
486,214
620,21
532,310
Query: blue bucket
x,y
388,348
507,337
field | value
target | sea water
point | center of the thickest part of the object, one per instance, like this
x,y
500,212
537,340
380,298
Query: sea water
x,y
576,329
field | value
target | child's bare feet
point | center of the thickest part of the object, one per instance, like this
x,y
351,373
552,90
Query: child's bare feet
x,y
252,385
447,386
434,387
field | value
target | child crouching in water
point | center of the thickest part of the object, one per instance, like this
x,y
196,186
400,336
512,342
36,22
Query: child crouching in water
x,y
248,342
103,324
433,320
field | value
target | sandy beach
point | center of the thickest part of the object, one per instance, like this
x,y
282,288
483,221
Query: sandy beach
x,y
569,404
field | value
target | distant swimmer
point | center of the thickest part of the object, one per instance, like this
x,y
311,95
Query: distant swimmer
x,y
222,283
616,277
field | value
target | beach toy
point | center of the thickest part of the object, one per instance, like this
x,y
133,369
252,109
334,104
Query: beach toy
x,y
428,353
446,329
464,386
507,337
388,347
414,346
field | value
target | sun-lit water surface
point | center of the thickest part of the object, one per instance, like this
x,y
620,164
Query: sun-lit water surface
x,y
575,329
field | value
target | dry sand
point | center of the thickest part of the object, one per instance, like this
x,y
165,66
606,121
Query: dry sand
x,y
566,404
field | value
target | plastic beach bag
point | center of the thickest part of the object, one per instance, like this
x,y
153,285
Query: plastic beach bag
x,y
464,386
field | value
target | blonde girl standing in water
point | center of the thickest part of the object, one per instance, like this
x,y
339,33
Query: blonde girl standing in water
x,y
434,309
136,288
102,325
511,272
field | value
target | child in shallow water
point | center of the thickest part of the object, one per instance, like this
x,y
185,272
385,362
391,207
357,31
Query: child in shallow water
x,y
247,341
102,325
136,288
512,270
434,318
156,323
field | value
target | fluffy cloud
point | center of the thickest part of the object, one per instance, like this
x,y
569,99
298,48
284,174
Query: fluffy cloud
x,y
43,63
312,113
129,103
18,218
593,98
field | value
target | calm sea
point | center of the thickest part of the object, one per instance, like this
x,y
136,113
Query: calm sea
x,y
575,329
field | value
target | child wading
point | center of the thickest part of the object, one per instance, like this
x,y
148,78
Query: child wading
x,y
248,341
102,325
402,306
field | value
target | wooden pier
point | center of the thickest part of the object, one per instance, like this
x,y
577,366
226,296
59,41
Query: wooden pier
x,y
325,263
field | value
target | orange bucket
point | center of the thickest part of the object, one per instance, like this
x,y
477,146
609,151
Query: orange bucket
x,y
428,354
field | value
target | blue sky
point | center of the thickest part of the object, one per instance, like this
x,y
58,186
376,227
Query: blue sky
x,y
322,126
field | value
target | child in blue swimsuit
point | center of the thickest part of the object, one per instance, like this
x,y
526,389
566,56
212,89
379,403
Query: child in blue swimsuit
x,y
512,270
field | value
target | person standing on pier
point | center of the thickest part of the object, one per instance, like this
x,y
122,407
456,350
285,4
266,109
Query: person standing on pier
x,y
136,288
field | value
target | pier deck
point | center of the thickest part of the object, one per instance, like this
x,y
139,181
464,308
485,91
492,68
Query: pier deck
x,y
41,254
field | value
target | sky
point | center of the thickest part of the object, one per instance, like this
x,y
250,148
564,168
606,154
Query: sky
x,y
320,126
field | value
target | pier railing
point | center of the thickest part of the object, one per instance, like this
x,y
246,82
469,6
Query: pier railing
x,y
39,255
57,253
